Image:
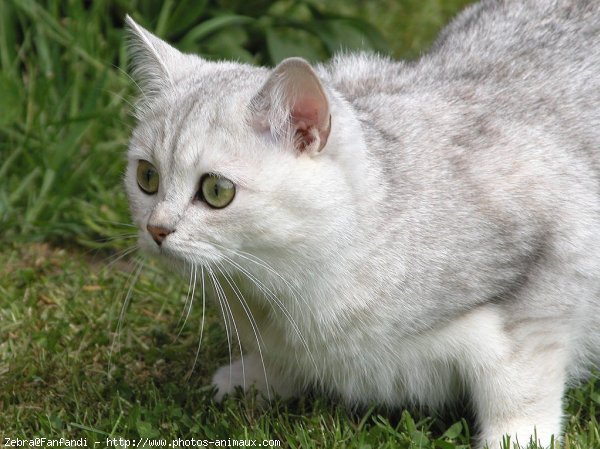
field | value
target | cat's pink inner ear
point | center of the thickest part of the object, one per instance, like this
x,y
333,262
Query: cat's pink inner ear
x,y
293,96
310,118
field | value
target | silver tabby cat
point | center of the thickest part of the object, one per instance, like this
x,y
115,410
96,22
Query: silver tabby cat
x,y
388,232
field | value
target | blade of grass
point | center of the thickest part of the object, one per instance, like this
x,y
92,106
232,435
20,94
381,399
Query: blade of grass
x,y
24,186
7,39
163,18
211,26
40,199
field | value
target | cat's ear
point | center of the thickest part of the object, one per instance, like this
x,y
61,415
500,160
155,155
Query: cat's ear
x,y
153,60
292,103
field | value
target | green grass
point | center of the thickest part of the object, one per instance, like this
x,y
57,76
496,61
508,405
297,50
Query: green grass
x,y
69,367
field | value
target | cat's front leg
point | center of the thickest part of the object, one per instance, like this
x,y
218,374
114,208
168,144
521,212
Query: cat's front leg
x,y
249,372
521,396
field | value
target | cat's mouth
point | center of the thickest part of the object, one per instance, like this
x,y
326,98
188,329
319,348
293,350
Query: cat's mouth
x,y
194,253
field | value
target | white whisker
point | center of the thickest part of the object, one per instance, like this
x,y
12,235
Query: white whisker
x,y
260,262
113,259
189,300
132,280
274,299
202,322
124,72
297,296
218,293
119,223
237,334
253,324
124,236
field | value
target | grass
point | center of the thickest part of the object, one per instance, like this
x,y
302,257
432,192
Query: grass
x,y
69,366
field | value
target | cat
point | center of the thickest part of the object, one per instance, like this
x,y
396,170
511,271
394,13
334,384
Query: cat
x,y
391,232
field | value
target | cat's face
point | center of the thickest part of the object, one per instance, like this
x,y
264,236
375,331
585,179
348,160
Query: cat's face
x,y
229,160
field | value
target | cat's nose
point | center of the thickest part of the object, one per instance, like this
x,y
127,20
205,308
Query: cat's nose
x,y
158,233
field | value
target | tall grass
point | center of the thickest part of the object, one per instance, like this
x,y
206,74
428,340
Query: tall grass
x,y
62,140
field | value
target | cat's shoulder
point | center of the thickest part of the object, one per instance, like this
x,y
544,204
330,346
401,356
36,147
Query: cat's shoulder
x,y
361,74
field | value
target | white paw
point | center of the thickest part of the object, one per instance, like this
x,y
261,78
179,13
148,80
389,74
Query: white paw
x,y
228,377
249,372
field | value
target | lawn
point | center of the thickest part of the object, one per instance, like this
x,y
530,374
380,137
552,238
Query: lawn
x,y
94,342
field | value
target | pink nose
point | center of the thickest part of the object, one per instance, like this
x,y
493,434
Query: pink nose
x,y
158,233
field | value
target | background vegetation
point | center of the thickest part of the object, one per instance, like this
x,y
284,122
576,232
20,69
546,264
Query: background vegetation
x,y
69,365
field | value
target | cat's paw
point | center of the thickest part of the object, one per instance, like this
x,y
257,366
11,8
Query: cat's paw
x,y
249,372
228,377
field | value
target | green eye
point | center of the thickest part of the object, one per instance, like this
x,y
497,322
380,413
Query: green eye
x,y
216,191
147,177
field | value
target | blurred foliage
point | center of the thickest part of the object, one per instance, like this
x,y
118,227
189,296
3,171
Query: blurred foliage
x,y
258,31
61,146
409,26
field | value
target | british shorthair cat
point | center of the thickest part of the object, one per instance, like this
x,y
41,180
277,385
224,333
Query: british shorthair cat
x,y
391,232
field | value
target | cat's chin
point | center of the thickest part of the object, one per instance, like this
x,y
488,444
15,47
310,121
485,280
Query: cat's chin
x,y
177,258
181,263
176,261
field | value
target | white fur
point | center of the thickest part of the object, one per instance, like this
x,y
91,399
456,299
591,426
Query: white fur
x,y
444,243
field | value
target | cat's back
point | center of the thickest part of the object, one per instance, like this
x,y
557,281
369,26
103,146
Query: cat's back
x,y
511,42
535,63
505,40
526,64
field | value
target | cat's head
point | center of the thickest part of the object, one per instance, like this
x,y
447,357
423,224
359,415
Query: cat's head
x,y
229,160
